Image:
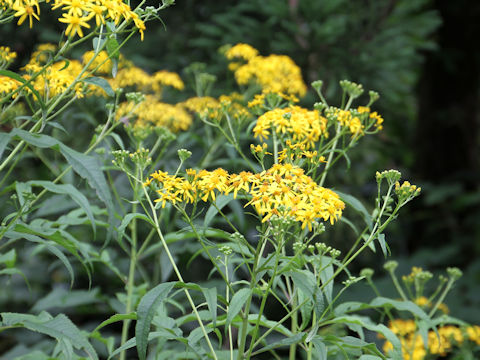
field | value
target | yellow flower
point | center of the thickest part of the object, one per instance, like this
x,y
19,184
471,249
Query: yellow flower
x,y
156,113
6,55
243,51
166,78
298,124
274,73
473,333
283,190
75,23
24,9
101,63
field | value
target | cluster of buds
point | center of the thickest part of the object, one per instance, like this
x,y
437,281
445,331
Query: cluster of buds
x,y
352,89
392,176
323,249
406,191
139,158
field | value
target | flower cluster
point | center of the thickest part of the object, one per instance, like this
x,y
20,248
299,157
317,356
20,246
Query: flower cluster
x,y
207,106
297,124
152,112
261,100
76,13
6,56
58,79
130,76
100,65
413,346
7,85
274,73
283,190
356,120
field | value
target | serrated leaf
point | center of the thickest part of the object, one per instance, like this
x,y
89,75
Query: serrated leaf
x,y
86,166
89,168
72,192
236,303
60,327
102,83
145,312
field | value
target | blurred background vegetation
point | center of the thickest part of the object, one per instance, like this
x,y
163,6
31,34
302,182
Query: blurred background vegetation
x,y
423,58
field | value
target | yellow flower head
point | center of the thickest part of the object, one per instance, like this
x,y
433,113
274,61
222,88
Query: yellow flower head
x,y
296,123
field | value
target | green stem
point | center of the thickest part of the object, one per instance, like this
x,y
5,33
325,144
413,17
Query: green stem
x,y
253,281
294,324
278,323
367,242
264,297
227,295
177,271
397,286
330,156
131,271
442,297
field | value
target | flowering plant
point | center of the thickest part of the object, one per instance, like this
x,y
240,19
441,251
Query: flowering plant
x,y
261,221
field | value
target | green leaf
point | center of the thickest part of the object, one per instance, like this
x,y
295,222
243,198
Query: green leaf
x,y
61,298
211,297
295,339
379,328
127,219
4,140
402,306
357,205
9,258
15,271
145,312
369,357
70,190
102,83
112,48
60,327
304,280
236,303
38,140
325,275
89,168
383,244
164,334
116,318
86,166
220,203
319,348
